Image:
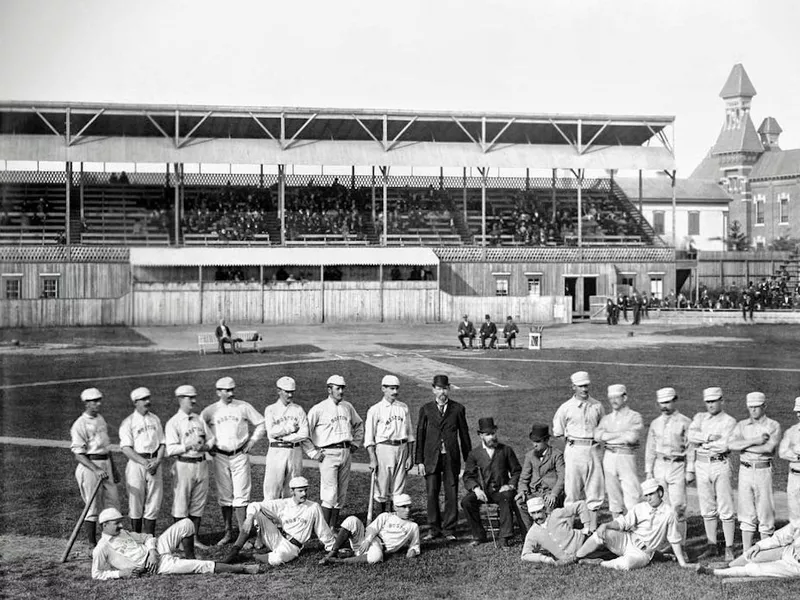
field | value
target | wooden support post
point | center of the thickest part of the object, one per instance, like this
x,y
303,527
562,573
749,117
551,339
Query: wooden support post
x,y
321,293
380,290
200,287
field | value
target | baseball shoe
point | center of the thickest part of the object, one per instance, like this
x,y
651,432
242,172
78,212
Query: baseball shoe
x,y
450,537
592,562
430,536
478,542
729,557
226,539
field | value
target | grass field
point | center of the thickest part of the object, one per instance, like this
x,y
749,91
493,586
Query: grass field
x,y
39,396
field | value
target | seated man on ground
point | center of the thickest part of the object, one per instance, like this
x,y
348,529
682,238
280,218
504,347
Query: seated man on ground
x,y
224,336
552,539
543,473
488,332
776,556
510,332
283,526
121,554
466,330
636,536
388,533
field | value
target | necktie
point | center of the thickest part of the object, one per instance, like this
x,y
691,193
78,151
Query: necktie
x,y
441,409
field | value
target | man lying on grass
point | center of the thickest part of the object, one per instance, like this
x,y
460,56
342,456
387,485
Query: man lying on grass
x,y
636,536
552,539
389,533
121,554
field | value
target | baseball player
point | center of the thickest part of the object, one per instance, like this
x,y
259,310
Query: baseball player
x,y
554,533
141,439
229,420
90,445
336,432
283,525
668,458
620,431
188,438
756,438
790,450
710,432
390,532
575,420
389,440
287,427
636,536
122,554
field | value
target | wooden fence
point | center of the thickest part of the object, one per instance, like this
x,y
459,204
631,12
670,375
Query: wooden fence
x,y
523,309
65,312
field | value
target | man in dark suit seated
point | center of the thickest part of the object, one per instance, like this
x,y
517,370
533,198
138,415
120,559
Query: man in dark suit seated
x,y
510,332
466,330
488,332
442,440
491,474
542,474
224,336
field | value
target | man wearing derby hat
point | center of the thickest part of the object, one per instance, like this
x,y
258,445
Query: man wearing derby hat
x,y
287,428
756,438
466,331
575,421
491,474
442,441
542,473
790,450
552,539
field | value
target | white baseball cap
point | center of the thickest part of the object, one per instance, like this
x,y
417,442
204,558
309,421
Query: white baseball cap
x,y
226,383
336,380
390,380
185,390
580,378
535,504
649,486
91,394
140,393
711,394
109,514
401,500
756,399
287,384
617,390
666,394
298,482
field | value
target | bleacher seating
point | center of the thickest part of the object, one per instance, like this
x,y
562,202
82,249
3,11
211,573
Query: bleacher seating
x,y
124,214
32,213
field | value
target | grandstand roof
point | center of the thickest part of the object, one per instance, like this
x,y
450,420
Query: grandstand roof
x,y
659,189
330,136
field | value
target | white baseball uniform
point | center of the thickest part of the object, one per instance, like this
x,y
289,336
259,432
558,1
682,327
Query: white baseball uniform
x,y
389,534
621,431
710,435
230,425
144,434
190,470
287,427
337,430
789,449
90,438
388,428
668,457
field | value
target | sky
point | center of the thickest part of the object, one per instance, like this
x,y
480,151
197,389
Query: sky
x,y
617,57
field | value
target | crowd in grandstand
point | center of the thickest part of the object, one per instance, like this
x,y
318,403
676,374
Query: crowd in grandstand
x,y
233,213
325,210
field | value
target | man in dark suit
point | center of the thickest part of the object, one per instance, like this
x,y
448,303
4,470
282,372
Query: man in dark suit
x,y
488,332
466,330
442,439
224,336
542,474
491,474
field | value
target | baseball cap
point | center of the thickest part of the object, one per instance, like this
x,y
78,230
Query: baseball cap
x,y
797,404
226,383
287,384
617,390
109,514
298,482
390,380
711,394
649,486
756,399
336,380
580,378
666,394
401,500
185,390
140,393
535,504
91,394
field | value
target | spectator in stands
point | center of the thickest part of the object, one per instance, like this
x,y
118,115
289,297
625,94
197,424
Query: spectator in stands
x,y
466,330
488,332
510,332
397,275
224,336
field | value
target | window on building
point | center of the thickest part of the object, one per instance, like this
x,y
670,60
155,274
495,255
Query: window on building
x,y
12,288
760,201
534,285
657,287
627,280
658,222
501,286
50,286
694,222
783,204
761,242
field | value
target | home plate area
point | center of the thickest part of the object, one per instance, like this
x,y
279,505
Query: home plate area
x,y
423,369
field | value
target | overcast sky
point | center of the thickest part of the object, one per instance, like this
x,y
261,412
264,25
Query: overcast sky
x,y
557,56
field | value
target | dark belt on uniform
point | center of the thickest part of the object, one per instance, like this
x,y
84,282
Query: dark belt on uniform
x,y
97,456
795,471
394,442
147,454
712,457
338,445
191,459
580,441
756,464
621,449
674,459
290,539
228,452
284,444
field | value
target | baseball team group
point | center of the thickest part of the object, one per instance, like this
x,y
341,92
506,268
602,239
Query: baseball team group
x,y
545,495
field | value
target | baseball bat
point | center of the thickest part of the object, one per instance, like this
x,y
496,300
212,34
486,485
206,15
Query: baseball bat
x,y
371,496
77,527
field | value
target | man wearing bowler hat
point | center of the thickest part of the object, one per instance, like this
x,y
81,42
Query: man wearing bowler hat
x,y
542,474
491,474
466,331
442,440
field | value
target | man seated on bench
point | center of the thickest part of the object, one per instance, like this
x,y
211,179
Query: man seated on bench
x,y
466,330
488,332
224,336
510,332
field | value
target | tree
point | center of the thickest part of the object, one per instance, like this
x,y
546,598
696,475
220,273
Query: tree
x,y
737,239
784,244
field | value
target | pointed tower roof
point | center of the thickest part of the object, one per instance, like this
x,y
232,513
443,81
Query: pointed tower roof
x,y
741,139
770,125
738,84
